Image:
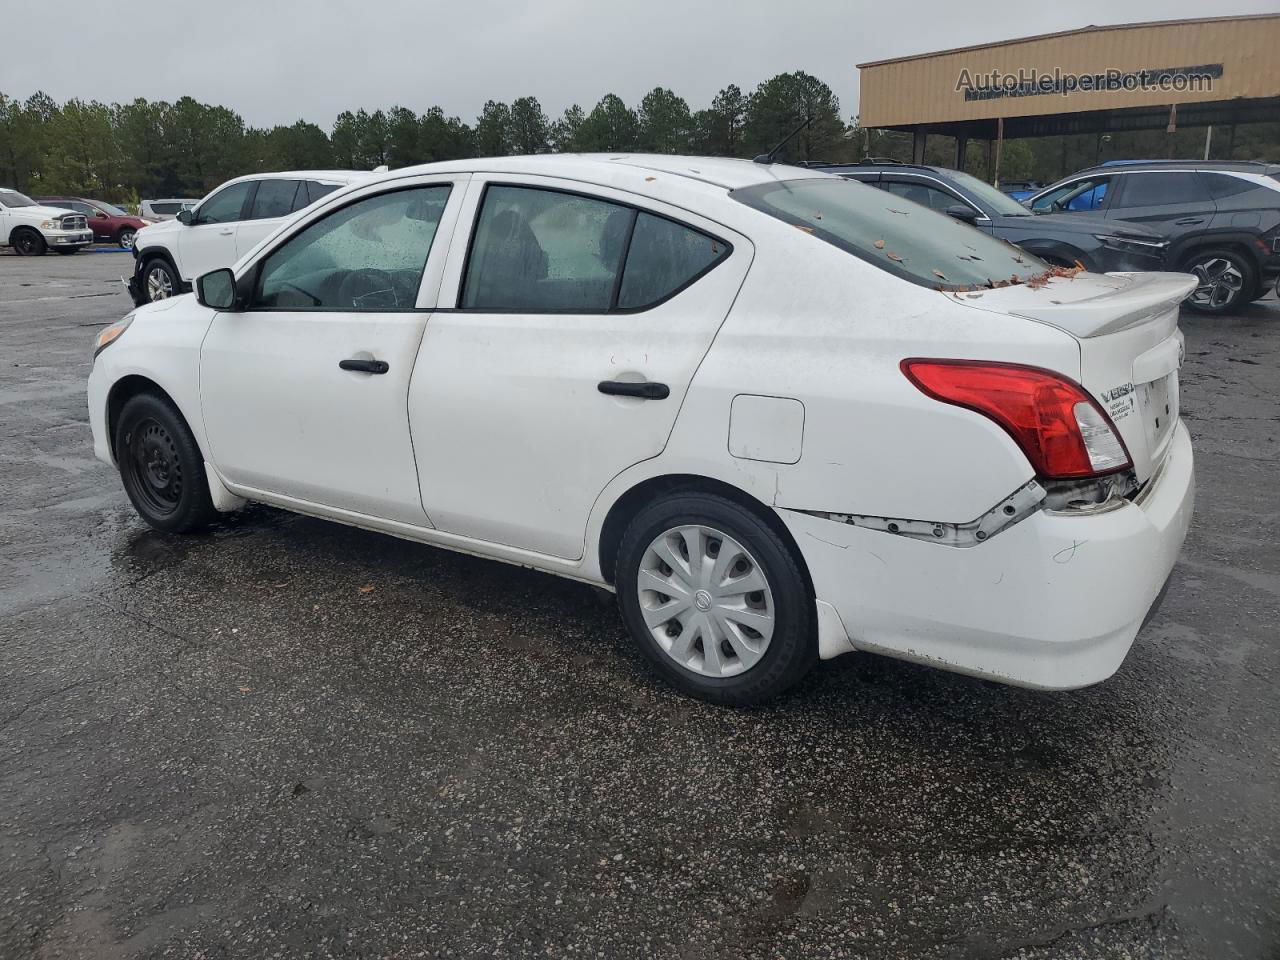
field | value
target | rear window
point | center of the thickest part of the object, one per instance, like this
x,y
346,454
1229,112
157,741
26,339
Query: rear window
x,y
901,238
1224,185
165,207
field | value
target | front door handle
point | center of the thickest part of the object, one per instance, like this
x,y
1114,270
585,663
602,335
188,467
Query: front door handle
x,y
1187,221
226,233
645,389
365,366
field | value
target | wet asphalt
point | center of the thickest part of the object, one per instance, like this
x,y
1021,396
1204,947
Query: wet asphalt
x,y
290,738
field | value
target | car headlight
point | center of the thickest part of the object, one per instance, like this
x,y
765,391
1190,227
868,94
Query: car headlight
x,y
109,335
50,225
146,222
1132,244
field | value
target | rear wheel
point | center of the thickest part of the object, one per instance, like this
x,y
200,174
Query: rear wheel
x,y
161,466
28,243
1225,280
125,238
715,599
159,282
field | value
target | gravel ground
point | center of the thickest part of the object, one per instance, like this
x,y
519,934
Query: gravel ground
x,y
290,738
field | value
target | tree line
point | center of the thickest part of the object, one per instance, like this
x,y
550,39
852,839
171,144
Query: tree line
x,y
145,149
185,148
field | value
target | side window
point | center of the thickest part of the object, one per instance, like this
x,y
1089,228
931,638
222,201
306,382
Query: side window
x,y
1087,194
540,251
365,256
316,190
663,258
1161,189
225,205
165,207
924,194
1222,185
274,199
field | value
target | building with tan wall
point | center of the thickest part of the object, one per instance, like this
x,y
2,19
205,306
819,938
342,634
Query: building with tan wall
x,y
1139,76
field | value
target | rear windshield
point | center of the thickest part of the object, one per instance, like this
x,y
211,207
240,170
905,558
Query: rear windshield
x,y
900,237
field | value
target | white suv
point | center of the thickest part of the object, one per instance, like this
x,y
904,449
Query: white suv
x,y
32,228
222,228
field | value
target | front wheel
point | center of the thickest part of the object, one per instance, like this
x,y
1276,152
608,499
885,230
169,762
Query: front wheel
x,y
159,282
125,238
161,466
716,599
29,243
1225,281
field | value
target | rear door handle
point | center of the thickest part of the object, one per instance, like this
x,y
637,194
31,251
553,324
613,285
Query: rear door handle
x,y
365,366
1187,221
645,390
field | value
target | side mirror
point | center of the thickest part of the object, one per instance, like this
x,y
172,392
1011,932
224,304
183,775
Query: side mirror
x,y
962,211
184,216
217,289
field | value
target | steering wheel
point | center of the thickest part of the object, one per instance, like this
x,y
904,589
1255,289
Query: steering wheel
x,y
366,282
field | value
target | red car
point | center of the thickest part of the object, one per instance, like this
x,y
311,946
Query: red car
x,y
108,222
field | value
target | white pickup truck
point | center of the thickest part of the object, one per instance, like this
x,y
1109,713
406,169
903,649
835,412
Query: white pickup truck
x,y
32,229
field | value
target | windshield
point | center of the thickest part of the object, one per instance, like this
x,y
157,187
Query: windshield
x,y
900,237
989,197
12,198
110,209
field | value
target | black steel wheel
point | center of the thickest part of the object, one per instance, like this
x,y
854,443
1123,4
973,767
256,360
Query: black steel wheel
x,y
29,243
161,466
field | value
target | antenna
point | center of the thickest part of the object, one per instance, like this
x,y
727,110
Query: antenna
x,y
768,157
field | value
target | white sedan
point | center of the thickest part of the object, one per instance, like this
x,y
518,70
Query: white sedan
x,y
783,415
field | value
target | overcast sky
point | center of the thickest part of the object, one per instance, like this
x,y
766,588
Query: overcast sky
x,y
275,61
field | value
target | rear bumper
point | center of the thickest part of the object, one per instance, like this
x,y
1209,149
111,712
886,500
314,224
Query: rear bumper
x,y
1053,602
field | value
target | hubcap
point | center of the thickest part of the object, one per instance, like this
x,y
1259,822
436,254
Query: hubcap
x,y
126,239
706,601
1220,282
159,286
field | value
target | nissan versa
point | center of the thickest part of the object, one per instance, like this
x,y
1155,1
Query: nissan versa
x,y
782,414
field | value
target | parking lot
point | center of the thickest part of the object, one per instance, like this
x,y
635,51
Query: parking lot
x,y
289,737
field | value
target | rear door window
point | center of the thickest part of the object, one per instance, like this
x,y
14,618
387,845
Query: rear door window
x,y
1222,185
1084,196
274,199
543,251
316,190
1160,189
663,258
925,194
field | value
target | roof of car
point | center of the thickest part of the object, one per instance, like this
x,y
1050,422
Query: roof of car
x,y
344,176
720,172
878,166
1150,166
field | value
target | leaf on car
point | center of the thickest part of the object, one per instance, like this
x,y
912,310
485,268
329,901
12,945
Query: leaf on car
x,y
648,179
939,273
879,244
805,227
893,256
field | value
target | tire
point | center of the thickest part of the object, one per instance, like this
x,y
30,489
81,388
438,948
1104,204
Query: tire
x,y
161,467
28,243
125,238
1227,280
159,280
739,670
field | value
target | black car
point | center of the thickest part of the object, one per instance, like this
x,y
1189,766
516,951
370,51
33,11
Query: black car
x,y
1061,239
1222,220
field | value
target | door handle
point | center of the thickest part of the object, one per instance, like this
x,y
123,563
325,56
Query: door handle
x,y
1187,221
645,390
226,233
365,366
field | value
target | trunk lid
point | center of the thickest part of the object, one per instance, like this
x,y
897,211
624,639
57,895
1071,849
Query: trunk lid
x,y
1130,347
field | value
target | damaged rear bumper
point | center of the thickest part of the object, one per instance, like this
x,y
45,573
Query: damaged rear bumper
x,y
1053,602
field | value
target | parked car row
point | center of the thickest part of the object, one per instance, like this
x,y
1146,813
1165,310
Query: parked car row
x,y
1216,220
782,414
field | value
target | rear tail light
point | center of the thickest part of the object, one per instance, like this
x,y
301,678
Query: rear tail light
x,y
1060,428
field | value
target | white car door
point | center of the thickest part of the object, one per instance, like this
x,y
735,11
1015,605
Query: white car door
x,y
579,322
209,241
303,391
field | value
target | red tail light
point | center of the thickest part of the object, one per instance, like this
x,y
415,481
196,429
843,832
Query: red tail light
x,y
1061,429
